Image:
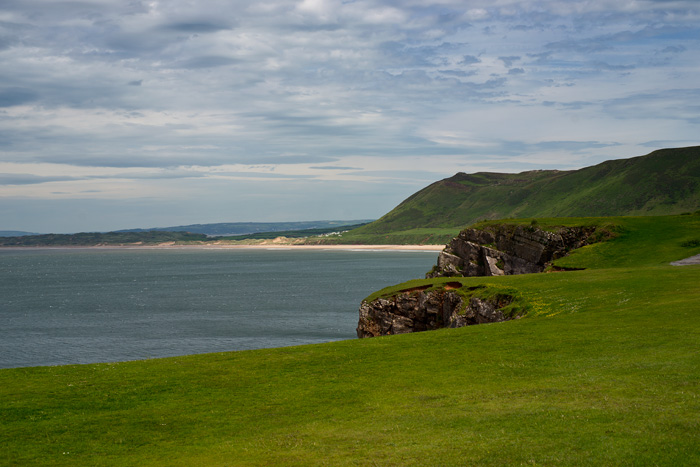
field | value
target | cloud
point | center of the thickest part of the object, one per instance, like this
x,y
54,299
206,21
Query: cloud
x,y
30,179
399,174
609,67
509,60
10,97
286,160
674,49
209,61
165,95
264,175
202,27
458,73
585,46
333,167
469,60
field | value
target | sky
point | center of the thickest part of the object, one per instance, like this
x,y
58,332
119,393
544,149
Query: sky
x,y
119,114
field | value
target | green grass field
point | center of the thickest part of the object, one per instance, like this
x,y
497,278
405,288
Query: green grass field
x,y
604,370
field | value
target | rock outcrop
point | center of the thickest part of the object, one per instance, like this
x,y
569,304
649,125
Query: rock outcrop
x,y
421,310
491,251
507,249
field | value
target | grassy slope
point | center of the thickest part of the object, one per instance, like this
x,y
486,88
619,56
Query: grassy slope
x,y
605,371
663,182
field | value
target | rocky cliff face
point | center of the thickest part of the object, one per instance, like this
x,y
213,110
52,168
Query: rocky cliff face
x,y
507,249
493,251
421,310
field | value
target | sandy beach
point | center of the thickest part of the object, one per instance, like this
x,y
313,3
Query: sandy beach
x,y
281,246
228,246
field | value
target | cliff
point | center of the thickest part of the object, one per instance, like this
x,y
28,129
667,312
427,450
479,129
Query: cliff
x,y
508,249
494,250
432,307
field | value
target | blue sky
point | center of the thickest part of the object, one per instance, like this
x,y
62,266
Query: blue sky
x,y
118,114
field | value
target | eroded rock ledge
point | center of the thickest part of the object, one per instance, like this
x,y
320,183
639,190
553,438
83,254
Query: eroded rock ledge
x,y
450,305
507,249
494,250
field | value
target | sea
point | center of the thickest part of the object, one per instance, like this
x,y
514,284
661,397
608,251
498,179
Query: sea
x,y
74,306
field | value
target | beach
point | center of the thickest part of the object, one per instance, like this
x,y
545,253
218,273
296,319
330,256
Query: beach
x,y
239,246
283,246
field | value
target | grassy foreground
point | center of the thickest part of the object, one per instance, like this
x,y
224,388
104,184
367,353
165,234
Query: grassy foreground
x,y
605,370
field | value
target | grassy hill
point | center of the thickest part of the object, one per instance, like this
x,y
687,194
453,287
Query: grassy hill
x,y
604,370
661,183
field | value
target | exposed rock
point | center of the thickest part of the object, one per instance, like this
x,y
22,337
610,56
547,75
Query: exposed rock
x,y
506,250
494,251
687,261
421,310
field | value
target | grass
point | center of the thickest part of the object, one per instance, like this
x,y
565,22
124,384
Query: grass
x,y
422,236
605,370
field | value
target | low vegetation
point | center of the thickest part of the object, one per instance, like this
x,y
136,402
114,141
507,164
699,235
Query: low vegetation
x,y
324,232
153,237
99,238
604,370
427,236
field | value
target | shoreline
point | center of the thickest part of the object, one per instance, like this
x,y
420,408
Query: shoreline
x,y
262,246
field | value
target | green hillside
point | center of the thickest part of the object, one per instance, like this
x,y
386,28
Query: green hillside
x,y
661,183
604,370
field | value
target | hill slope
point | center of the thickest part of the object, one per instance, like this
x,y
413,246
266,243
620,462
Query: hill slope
x,y
663,182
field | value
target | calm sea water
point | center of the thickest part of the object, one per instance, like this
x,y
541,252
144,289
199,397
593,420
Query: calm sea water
x,y
84,306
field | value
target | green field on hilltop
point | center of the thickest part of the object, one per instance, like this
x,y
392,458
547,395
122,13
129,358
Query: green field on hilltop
x,y
603,370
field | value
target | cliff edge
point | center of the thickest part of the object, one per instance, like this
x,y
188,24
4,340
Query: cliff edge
x,y
446,305
492,250
506,249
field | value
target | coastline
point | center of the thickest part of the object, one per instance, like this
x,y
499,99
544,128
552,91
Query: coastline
x,y
282,246
224,246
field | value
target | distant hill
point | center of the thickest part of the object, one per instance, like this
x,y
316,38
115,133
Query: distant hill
x,y
153,237
663,182
99,238
246,228
15,233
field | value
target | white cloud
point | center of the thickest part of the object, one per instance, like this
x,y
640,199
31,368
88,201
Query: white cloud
x,y
476,14
190,93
